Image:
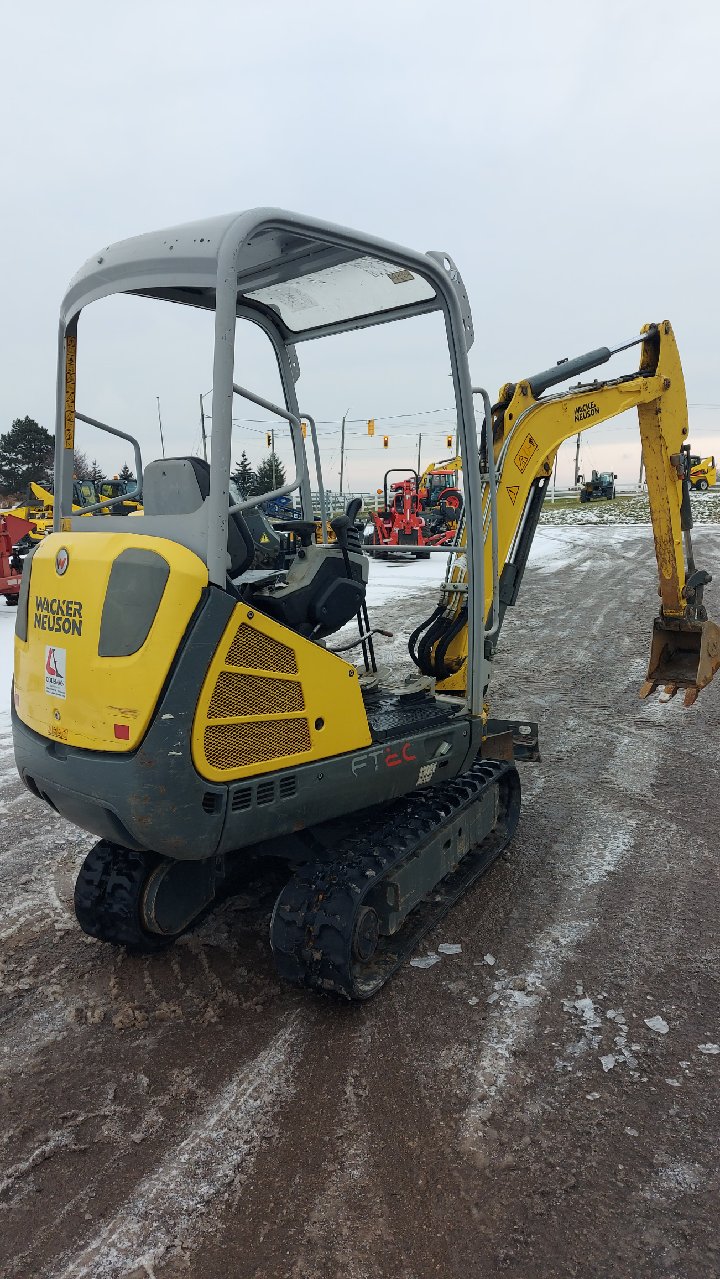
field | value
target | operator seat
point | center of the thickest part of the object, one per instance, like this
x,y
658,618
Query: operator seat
x,y
325,585
179,485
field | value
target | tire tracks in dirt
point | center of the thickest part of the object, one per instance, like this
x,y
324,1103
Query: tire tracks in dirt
x,y
431,1131
169,1207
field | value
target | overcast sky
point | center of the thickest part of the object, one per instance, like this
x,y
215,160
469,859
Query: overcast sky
x,y
565,154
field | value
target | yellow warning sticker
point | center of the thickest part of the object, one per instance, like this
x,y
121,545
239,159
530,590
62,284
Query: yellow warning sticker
x,y
70,357
513,492
529,447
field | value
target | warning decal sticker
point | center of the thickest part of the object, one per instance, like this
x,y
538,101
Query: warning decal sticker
x,y
513,492
70,362
529,446
55,671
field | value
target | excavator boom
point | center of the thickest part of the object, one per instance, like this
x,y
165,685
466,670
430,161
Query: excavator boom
x,y
529,423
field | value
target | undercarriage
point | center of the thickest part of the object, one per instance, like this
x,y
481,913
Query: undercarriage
x,y
360,895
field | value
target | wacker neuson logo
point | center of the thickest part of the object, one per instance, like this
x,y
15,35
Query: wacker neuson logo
x,y
63,617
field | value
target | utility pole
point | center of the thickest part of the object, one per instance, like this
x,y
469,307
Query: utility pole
x,y
642,468
342,450
162,442
202,428
577,460
419,447
553,479
272,436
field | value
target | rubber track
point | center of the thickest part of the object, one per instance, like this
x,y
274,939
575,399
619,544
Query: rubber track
x,y
313,920
108,893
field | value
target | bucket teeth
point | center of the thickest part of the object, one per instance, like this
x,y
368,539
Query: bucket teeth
x,y
683,654
709,662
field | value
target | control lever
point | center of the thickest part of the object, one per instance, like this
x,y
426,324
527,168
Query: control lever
x,y
304,530
340,526
342,523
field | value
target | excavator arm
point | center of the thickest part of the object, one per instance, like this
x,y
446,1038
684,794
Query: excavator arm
x,y
529,423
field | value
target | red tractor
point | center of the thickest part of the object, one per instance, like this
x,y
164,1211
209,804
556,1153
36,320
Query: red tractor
x,y
420,513
12,529
441,501
398,525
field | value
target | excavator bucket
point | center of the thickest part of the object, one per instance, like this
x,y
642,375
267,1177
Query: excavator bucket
x,y
683,654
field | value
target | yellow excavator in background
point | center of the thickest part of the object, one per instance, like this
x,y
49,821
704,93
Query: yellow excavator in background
x,y
39,504
119,488
189,705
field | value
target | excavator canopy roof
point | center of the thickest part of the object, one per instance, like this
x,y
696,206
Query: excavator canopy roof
x,y
309,277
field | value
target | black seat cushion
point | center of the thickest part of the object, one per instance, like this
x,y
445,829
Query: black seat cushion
x,y
327,602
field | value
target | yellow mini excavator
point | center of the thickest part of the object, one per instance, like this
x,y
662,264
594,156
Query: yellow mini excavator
x,y
182,700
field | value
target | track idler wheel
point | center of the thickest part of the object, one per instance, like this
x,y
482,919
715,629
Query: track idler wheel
x,y
366,935
142,901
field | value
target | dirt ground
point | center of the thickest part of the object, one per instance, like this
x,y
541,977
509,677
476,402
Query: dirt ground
x,y
542,1103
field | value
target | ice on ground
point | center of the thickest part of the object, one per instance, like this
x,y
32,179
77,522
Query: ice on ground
x,y
489,959
425,961
449,948
709,1048
585,1009
658,1024
608,1061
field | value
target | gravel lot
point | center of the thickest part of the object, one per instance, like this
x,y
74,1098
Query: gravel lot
x,y
542,1103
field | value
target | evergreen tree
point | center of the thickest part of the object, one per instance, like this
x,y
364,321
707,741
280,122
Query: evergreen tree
x,y
97,475
270,475
245,477
125,473
26,453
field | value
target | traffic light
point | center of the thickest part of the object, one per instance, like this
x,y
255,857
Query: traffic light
x,y
449,441
386,441
371,426
268,439
303,428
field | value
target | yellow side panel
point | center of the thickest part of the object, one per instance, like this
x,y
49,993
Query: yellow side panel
x,y
271,700
94,701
